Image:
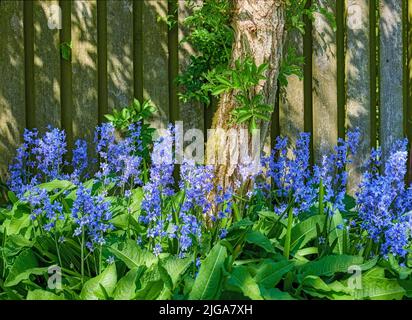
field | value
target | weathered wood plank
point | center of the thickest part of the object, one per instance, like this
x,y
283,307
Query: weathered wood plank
x,y
325,127
155,60
46,65
291,101
358,84
391,73
12,100
119,53
191,113
84,66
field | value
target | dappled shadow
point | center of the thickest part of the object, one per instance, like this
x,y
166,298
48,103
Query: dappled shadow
x,y
12,96
84,68
292,96
324,87
155,60
358,86
391,74
120,53
46,68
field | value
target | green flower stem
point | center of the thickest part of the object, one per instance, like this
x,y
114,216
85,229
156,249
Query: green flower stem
x,y
58,250
286,250
82,257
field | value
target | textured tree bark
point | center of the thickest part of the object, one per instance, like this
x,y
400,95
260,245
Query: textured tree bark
x,y
259,34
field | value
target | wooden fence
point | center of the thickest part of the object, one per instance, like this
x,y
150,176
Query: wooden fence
x,y
359,74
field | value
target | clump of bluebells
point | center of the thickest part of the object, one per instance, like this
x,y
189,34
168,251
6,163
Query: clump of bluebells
x,y
384,200
43,210
120,159
183,219
91,214
332,173
176,216
290,181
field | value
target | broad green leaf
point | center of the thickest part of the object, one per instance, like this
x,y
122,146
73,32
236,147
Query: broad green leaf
x,y
56,184
107,279
316,283
18,223
39,294
376,286
24,266
126,287
241,279
12,197
150,291
329,265
259,239
175,267
270,273
305,231
132,255
209,280
336,232
275,294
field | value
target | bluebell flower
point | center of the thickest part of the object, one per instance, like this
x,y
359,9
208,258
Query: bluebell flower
x,y
43,209
291,176
91,214
80,162
120,159
332,171
383,201
38,159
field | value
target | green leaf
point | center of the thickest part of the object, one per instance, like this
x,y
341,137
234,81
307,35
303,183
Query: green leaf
x,y
376,286
152,283
336,233
56,184
329,265
24,266
39,294
12,196
126,287
107,279
275,294
259,239
305,231
270,273
18,223
175,267
151,291
132,255
241,279
209,280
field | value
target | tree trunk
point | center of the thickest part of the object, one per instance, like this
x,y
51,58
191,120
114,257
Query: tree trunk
x,y
259,34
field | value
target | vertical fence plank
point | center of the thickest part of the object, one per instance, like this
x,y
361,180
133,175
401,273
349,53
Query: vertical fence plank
x,y
102,90
325,127
155,59
138,49
84,41
191,113
409,83
66,90
46,64
308,79
358,83
120,53
12,101
28,26
391,73
291,111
